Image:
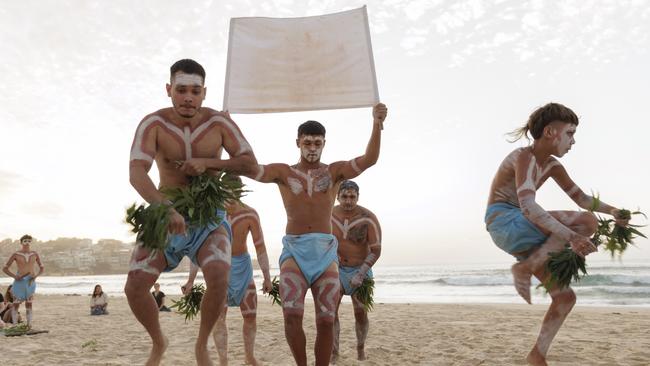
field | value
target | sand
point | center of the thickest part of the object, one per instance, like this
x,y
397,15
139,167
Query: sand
x,y
400,334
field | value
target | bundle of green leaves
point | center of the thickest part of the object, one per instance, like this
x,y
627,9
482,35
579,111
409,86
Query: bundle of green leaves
x,y
149,224
190,304
566,265
16,330
198,202
365,294
274,294
617,238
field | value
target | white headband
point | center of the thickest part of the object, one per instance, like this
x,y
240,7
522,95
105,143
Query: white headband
x,y
188,79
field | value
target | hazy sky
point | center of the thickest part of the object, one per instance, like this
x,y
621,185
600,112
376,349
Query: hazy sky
x,y
78,76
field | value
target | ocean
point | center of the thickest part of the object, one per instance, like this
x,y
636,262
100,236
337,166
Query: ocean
x,y
608,284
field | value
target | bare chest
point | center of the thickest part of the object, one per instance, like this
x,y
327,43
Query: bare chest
x,y
184,143
310,183
353,229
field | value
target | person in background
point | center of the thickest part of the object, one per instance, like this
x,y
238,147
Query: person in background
x,y
160,297
5,314
98,302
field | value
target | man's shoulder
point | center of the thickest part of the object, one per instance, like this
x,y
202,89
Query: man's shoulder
x,y
366,212
245,211
159,114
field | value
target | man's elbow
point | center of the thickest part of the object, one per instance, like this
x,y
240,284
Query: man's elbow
x,y
247,166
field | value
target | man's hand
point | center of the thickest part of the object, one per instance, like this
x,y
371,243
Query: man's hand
x,y
176,222
620,220
582,246
379,113
193,167
357,280
187,287
267,286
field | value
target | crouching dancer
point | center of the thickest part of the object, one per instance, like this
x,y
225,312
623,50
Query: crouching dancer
x,y
521,227
196,136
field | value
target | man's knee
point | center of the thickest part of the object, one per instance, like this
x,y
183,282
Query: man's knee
x,y
292,320
590,223
565,297
325,322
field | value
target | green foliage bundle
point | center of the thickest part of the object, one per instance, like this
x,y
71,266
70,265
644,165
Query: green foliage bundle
x,y
16,330
190,304
617,238
274,294
365,294
150,224
197,202
566,265
563,266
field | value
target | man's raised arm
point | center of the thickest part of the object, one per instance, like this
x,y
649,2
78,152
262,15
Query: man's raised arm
x,y
356,166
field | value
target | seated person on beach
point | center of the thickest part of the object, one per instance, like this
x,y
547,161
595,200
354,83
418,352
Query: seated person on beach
x,y
359,235
309,260
24,284
159,296
241,286
98,302
5,313
521,227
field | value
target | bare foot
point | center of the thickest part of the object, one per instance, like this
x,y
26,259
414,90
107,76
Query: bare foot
x,y
521,277
361,353
202,356
157,351
535,358
253,361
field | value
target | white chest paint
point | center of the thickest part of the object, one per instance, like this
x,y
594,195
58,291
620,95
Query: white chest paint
x,y
346,225
318,180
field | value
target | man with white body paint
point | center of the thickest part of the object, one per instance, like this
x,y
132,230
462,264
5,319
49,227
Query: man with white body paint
x,y
24,285
241,287
184,140
519,226
358,233
309,259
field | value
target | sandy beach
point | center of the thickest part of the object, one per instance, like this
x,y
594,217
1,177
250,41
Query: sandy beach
x,y
400,334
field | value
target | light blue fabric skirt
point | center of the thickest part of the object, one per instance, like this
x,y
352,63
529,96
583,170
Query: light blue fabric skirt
x,y
313,252
189,244
511,231
24,288
241,274
346,274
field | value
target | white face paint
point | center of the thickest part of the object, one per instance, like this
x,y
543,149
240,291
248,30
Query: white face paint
x,y
311,147
564,138
188,79
348,199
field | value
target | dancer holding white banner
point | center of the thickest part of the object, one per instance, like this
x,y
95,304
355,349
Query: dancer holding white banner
x,y
309,254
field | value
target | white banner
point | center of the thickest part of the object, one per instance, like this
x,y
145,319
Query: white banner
x,y
298,64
